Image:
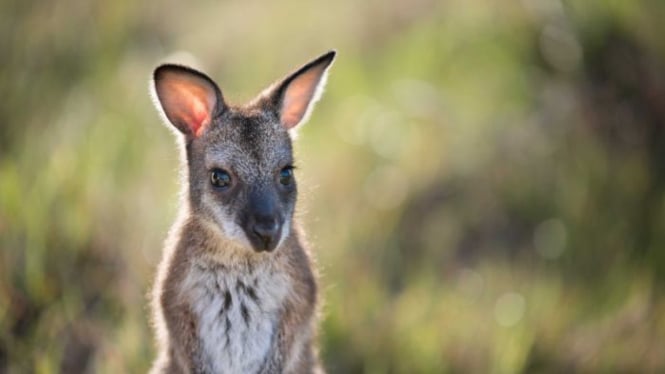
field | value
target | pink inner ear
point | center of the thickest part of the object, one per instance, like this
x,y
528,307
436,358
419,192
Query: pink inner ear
x,y
199,111
187,103
295,105
298,96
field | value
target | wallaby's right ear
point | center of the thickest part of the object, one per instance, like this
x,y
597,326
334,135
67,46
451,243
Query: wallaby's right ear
x,y
188,98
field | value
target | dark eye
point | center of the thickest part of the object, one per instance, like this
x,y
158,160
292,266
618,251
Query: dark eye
x,y
220,178
286,175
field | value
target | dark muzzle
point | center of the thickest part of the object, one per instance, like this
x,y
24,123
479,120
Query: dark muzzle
x,y
263,225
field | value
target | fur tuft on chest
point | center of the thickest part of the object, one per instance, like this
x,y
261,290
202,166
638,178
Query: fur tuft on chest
x,y
238,313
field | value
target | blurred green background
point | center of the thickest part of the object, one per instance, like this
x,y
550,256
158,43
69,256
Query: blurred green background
x,y
482,182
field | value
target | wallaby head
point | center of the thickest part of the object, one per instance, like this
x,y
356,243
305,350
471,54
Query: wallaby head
x,y
239,159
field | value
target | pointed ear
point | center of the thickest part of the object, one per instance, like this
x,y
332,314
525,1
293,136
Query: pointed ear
x,y
295,96
187,98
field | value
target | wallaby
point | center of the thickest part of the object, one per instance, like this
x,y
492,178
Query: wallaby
x,y
236,291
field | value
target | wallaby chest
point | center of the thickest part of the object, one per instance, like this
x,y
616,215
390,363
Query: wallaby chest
x,y
237,311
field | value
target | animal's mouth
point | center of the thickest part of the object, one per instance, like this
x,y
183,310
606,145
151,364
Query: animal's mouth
x,y
263,245
264,237
266,246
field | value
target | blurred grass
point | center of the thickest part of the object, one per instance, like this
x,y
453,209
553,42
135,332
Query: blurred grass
x,y
482,182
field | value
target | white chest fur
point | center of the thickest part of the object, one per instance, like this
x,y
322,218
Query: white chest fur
x,y
237,311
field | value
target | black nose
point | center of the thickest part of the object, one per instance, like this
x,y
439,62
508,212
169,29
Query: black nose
x,y
266,233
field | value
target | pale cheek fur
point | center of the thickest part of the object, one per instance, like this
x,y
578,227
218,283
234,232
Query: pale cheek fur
x,y
286,228
227,225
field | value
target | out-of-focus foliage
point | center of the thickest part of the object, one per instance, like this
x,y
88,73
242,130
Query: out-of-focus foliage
x,y
482,184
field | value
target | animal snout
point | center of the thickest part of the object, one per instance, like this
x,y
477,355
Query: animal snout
x,y
265,232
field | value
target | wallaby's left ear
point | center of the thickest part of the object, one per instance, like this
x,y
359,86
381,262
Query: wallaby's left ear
x,y
294,97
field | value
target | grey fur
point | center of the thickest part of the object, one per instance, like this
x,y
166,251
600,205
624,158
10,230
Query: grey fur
x,y
225,301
